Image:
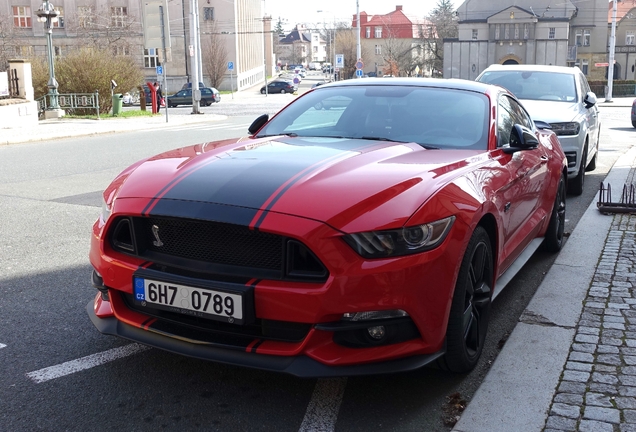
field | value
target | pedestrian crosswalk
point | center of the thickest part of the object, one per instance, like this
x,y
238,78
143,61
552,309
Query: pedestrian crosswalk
x,y
207,126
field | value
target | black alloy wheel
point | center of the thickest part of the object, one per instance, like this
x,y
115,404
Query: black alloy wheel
x,y
554,235
470,309
263,91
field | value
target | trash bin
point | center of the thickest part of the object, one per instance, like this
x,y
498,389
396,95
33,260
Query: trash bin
x,y
118,99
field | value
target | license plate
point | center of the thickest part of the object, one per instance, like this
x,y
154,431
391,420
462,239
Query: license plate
x,y
189,300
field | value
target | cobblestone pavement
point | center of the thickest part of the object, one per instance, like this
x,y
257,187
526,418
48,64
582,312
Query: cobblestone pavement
x,y
597,391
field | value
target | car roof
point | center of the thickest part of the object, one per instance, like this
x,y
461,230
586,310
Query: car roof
x,y
533,68
453,83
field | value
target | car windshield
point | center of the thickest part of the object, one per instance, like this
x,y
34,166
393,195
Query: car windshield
x,y
531,85
432,117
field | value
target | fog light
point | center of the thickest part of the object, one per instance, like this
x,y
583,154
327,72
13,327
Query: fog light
x,y
377,332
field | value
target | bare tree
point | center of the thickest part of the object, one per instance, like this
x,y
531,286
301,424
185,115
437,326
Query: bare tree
x,y
10,41
346,44
443,24
399,55
214,56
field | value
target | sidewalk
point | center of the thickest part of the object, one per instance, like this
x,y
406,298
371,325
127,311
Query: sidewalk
x,y
570,363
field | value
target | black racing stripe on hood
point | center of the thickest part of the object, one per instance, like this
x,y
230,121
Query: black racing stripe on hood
x,y
242,180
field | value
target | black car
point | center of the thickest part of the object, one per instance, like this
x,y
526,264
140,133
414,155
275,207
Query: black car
x,y
279,87
184,97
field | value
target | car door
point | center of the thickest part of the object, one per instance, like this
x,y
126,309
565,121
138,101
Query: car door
x,y
527,172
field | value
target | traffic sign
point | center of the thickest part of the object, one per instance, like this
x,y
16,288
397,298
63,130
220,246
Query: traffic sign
x,y
296,80
601,64
230,65
339,60
359,65
159,70
359,73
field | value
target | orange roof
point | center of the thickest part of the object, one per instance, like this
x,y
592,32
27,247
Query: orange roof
x,y
622,8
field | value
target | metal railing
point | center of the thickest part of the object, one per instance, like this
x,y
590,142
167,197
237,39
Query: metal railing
x,y
71,102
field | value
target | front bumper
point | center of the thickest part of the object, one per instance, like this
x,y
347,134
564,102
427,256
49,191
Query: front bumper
x,y
300,366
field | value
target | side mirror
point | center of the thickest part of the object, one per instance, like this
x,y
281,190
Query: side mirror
x,y
589,100
521,138
257,124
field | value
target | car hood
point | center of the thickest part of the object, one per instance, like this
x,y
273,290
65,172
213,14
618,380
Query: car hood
x,y
551,111
346,183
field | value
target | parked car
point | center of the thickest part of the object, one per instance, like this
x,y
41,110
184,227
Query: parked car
x,y
369,239
209,95
561,97
280,86
634,113
188,85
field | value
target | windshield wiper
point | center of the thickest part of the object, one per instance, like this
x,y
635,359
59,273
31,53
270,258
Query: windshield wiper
x,y
290,134
374,138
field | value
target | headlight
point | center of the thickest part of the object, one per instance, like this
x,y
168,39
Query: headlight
x,y
107,206
402,241
571,128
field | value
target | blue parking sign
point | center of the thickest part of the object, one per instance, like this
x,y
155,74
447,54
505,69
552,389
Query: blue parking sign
x,y
159,70
230,65
359,73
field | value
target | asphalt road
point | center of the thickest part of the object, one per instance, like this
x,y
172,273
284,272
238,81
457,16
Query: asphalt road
x,y
59,373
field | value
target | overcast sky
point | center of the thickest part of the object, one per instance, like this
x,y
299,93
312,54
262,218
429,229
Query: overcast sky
x,y
293,12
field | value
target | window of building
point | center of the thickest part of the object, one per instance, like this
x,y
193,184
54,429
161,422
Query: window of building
x,y
378,32
84,16
497,31
22,16
526,31
586,38
629,38
24,51
315,49
368,32
208,14
516,31
60,18
475,33
506,31
551,33
578,38
584,66
57,50
118,16
378,50
151,58
119,50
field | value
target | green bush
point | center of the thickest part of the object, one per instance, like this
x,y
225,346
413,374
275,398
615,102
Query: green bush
x,y
88,70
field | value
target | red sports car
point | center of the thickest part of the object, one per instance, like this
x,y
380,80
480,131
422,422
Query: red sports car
x,y
364,229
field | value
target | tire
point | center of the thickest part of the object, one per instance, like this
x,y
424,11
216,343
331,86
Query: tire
x,y
592,165
553,241
575,186
634,124
262,91
470,309
171,105
282,91
204,102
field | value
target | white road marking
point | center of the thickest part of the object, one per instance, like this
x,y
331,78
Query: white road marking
x,y
2,345
83,363
323,408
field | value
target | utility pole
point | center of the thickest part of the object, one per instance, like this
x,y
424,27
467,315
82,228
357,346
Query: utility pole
x,y
358,49
194,49
612,48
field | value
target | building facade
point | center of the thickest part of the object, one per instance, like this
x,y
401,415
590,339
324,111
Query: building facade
x,y
117,25
625,44
392,43
567,33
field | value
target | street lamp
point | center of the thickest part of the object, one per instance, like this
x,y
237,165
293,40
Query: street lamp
x,y
47,15
332,43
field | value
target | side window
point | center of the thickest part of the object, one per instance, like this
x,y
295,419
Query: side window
x,y
509,113
584,84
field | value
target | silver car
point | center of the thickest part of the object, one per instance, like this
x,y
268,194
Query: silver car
x,y
561,97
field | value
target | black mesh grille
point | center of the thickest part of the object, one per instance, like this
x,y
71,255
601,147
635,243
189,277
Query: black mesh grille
x,y
213,242
204,248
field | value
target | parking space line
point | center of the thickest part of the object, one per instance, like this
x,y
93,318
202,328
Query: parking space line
x,y
70,367
2,345
323,408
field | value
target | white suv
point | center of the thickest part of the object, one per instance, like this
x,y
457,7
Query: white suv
x,y
561,97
